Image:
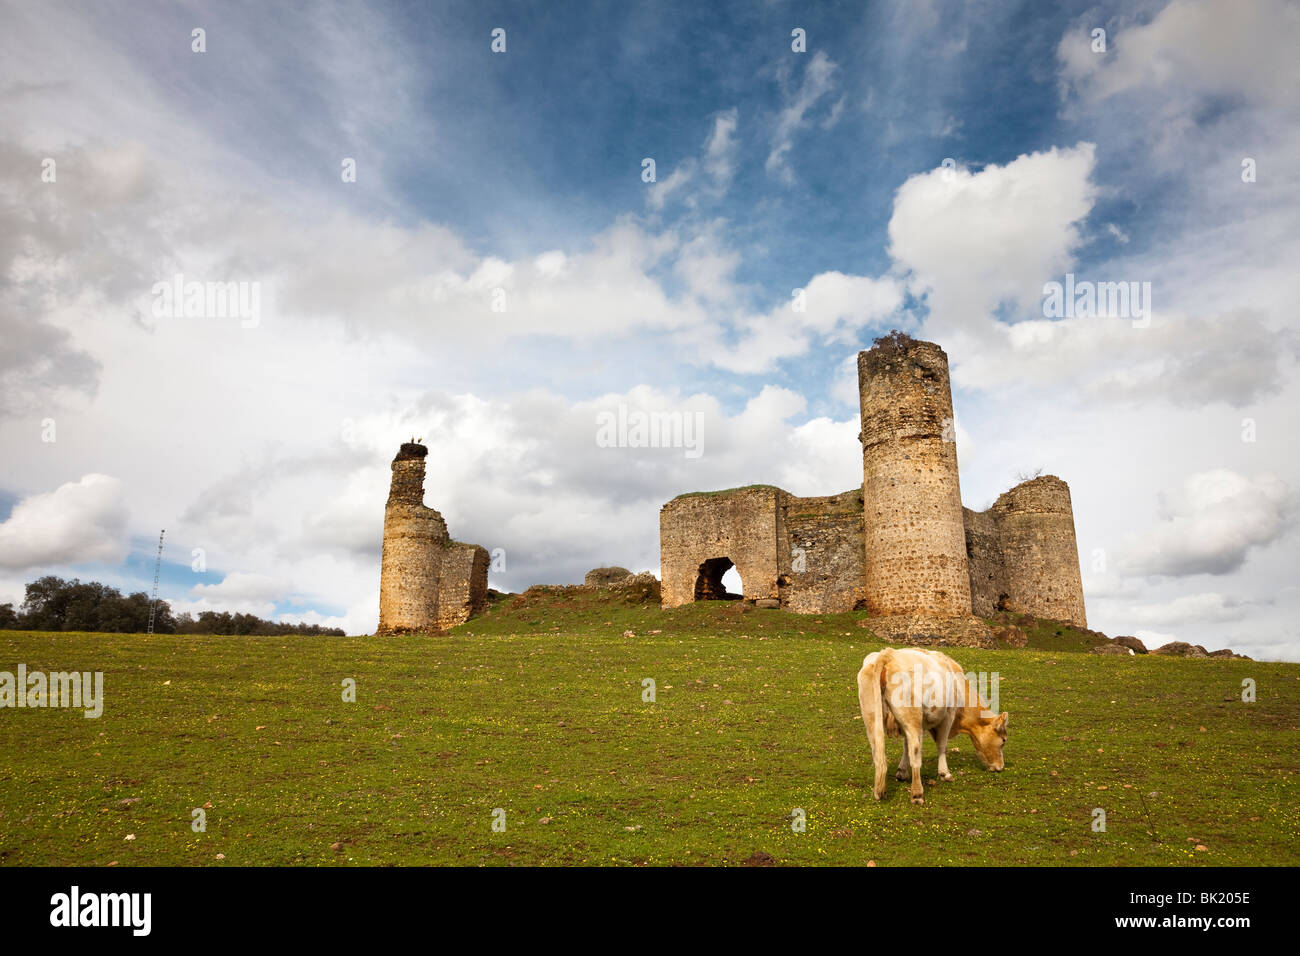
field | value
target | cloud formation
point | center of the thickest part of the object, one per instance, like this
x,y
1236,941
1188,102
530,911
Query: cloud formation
x,y
1212,522
78,522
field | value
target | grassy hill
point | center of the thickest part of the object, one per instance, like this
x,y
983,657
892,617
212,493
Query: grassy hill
x,y
536,708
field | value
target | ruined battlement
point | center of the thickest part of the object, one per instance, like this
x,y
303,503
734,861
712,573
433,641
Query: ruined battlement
x,y
427,581
902,545
1040,555
904,393
915,541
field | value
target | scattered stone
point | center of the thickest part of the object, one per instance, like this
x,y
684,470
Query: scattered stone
x,y
1181,649
924,631
759,858
1010,635
606,577
1136,645
1114,650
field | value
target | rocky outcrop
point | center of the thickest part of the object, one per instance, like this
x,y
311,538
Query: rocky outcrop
x,y
924,631
605,577
1008,635
1136,645
1181,649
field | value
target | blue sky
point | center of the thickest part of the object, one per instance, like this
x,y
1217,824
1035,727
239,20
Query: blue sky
x,y
926,166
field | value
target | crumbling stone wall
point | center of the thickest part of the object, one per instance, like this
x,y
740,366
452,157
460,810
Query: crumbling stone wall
x,y
740,525
427,582
606,577
1040,555
821,553
915,539
462,583
901,546
988,586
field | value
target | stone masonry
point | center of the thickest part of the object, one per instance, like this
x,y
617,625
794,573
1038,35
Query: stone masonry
x,y
427,581
1023,554
915,540
900,546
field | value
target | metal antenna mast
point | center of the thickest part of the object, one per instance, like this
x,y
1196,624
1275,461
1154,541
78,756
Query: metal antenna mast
x,y
157,570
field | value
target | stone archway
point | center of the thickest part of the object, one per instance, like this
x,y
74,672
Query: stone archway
x,y
708,580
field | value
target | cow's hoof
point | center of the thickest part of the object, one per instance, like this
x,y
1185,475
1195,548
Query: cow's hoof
x,y
878,794
917,798
946,777
903,775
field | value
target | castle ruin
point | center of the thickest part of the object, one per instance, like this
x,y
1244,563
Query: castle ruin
x,y
427,582
902,544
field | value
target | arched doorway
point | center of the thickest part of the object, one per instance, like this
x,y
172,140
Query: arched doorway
x,y
709,584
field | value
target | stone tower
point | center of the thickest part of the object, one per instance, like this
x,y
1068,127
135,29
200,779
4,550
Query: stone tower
x,y
915,538
427,582
1040,556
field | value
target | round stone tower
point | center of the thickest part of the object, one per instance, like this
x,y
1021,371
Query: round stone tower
x,y
414,537
1040,556
914,530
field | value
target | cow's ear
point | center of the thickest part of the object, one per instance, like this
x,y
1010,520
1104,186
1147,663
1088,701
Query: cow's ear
x,y
1001,725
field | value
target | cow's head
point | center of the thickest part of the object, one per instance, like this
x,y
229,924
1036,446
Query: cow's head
x,y
990,738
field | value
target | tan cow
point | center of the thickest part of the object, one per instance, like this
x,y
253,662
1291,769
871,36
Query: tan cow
x,y
915,690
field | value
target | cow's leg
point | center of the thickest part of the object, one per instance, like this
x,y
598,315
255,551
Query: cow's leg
x,y
914,737
941,739
904,767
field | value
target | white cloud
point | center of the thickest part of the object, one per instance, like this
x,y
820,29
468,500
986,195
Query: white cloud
x,y
659,192
1191,48
78,522
237,587
971,240
1190,360
1203,607
836,307
720,150
818,81
718,161
1212,522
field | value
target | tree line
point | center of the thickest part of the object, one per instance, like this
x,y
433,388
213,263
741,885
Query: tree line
x,y
55,604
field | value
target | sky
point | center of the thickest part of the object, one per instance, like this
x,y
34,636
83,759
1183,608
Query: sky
x,y
445,226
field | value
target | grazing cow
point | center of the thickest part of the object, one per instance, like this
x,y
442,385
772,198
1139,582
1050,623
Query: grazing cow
x,y
915,690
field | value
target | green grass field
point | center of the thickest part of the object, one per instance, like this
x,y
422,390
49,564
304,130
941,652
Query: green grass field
x,y
538,710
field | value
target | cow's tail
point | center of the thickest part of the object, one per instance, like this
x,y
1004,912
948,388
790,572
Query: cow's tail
x,y
871,699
